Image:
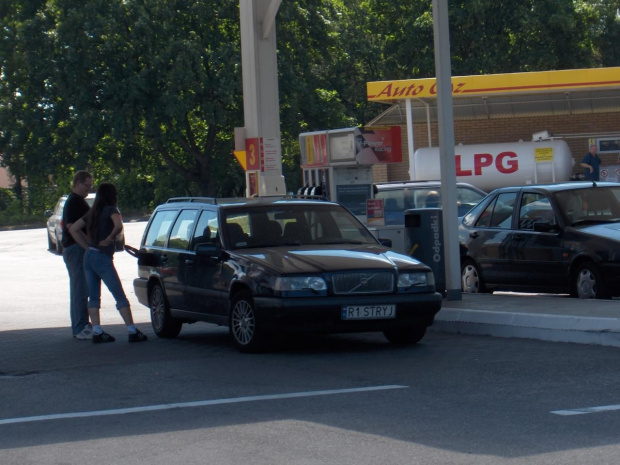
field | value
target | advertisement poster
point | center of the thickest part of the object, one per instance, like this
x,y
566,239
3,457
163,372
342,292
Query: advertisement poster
x,y
314,150
375,214
252,184
378,145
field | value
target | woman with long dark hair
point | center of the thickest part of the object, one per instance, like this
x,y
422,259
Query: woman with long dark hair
x,y
103,223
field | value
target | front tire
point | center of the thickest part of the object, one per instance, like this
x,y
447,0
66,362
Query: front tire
x,y
406,336
471,279
245,328
163,324
588,283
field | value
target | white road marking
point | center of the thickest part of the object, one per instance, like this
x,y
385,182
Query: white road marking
x,y
202,403
583,411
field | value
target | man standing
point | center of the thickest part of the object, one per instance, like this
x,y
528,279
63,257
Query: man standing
x,y
73,255
591,162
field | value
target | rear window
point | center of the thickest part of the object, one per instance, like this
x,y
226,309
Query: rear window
x,y
396,201
159,227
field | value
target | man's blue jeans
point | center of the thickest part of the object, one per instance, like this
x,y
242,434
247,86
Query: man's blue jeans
x,y
100,267
78,289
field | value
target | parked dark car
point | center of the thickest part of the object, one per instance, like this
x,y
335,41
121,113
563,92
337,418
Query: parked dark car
x,y
561,237
54,223
262,265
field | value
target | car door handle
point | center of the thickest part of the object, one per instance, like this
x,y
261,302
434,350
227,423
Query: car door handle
x,y
517,237
189,262
164,258
473,235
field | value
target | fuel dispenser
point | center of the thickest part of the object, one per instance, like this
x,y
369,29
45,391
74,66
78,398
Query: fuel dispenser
x,y
337,164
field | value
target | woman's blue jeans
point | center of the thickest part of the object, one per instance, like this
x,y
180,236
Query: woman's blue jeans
x,y
100,267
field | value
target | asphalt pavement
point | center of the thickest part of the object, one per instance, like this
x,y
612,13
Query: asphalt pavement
x,y
533,316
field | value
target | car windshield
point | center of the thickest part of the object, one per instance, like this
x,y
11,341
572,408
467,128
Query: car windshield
x,y
596,204
396,201
293,224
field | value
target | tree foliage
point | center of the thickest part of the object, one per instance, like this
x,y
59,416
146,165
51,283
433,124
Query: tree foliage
x,y
147,92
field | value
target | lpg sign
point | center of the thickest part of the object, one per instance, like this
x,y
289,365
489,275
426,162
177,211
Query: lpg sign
x,y
489,166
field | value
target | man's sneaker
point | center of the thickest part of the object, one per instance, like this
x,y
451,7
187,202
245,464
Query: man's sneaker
x,y
137,337
86,333
103,337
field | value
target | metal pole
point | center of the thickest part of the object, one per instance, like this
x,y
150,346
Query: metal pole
x,y
410,142
446,149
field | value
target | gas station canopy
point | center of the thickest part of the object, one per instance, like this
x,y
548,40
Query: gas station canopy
x,y
492,96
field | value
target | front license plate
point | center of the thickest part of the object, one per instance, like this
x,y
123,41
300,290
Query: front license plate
x,y
368,312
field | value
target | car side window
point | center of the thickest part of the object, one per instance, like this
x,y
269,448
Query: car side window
x,y
159,227
182,230
498,213
535,208
207,229
60,206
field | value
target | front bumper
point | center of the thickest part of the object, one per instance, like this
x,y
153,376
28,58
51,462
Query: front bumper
x,y
323,314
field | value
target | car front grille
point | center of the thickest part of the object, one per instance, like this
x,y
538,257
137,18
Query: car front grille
x,y
363,283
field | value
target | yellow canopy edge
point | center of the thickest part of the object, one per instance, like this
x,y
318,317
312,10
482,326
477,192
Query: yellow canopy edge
x,y
498,84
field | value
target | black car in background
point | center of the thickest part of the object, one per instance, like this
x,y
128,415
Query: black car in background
x,y
263,265
561,238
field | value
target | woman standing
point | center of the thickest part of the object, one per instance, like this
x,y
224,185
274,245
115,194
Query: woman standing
x,y
103,223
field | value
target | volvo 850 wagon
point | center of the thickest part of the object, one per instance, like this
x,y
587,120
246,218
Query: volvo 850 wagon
x,y
265,265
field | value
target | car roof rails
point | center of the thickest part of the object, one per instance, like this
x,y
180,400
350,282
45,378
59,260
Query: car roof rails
x,y
209,200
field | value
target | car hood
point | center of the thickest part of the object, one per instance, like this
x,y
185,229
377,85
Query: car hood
x,y
606,230
293,260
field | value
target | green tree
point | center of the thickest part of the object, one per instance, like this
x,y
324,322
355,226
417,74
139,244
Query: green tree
x,y
147,92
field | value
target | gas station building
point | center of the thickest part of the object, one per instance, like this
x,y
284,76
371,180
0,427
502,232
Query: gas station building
x,y
579,106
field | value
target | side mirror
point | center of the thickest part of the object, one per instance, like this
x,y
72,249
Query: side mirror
x,y
544,226
209,249
385,242
48,213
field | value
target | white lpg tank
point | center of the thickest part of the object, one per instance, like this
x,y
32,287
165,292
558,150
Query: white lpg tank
x,y
489,166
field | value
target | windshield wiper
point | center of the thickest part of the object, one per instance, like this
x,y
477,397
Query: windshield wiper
x,y
594,220
341,241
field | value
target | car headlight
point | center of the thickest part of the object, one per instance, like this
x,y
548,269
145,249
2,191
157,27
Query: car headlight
x,y
300,283
416,279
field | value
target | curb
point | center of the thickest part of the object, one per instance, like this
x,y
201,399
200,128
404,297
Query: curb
x,y
555,328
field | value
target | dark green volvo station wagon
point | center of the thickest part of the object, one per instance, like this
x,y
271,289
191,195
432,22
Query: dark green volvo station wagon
x,y
265,265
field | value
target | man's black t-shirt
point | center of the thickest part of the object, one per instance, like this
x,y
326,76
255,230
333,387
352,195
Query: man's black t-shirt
x,y
75,208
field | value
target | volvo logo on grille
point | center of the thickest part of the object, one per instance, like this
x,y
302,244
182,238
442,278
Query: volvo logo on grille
x,y
364,281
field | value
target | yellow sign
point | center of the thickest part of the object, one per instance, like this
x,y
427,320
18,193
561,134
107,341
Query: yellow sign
x,y
241,158
543,154
498,84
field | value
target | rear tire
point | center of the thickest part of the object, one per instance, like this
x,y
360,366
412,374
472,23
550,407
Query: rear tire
x,y
406,336
471,279
59,247
245,329
50,244
163,324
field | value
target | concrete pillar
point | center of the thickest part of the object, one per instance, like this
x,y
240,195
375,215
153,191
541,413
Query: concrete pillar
x,y
261,103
